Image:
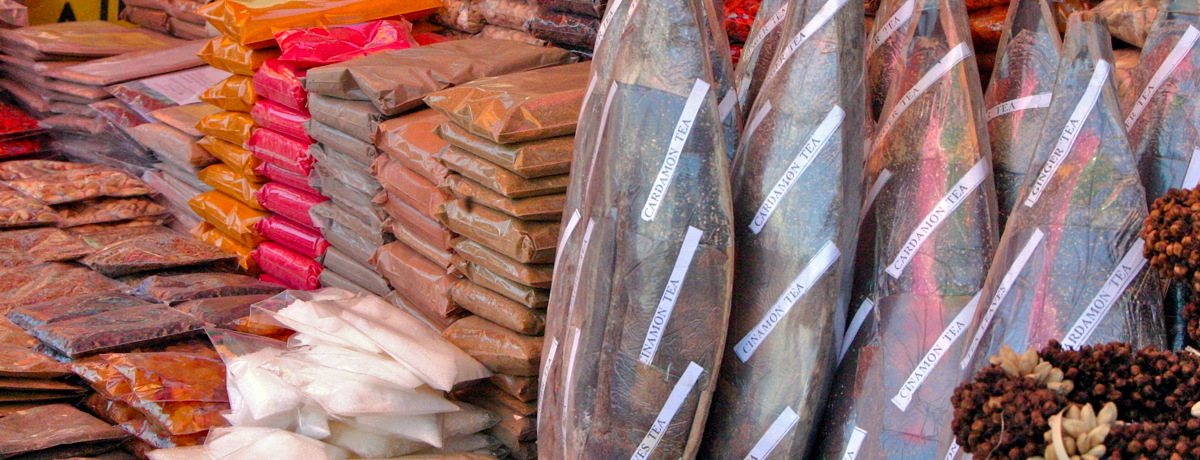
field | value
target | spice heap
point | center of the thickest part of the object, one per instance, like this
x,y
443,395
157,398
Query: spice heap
x,y
1173,236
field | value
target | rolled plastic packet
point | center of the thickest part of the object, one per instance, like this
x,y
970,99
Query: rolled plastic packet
x,y
1071,265
758,52
1162,112
1018,97
645,326
926,242
796,223
886,50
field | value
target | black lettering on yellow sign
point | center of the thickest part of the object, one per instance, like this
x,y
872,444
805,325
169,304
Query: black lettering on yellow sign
x,y
67,14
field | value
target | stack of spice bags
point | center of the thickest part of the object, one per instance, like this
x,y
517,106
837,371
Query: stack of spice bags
x,y
507,19
350,102
511,141
175,17
569,23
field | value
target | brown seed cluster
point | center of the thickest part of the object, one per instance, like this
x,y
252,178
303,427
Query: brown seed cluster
x,y
1004,416
1173,236
1191,316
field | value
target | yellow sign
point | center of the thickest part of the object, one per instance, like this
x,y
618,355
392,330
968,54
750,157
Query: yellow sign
x,y
48,11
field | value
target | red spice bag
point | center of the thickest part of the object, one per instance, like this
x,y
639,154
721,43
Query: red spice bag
x,y
290,202
285,177
291,268
280,150
317,46
280,82
285,120
304,240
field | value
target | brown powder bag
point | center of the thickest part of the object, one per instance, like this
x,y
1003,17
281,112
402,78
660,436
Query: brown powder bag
x,y
501,180
497,308
545,207
532,275
418,280
412,141
525,241
500,349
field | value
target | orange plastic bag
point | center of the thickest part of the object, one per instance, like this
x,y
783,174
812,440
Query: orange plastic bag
x,y
257,23
226,54
208,233
231,217
167,376
230,182
239,159
235,94
232,127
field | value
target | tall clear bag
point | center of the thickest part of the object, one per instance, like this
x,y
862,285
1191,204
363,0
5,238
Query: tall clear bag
x,y
885,50
760,50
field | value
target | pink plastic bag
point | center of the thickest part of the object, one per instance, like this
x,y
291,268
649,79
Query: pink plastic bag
x,y
306,241
280,150
284,120
288,267
280,82
283,176
317,46
289,202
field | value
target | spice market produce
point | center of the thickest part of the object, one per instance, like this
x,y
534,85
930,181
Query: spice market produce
x,y
601,229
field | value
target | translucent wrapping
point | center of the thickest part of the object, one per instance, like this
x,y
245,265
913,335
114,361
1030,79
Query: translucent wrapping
x,y
497,308
116,330
49,281
563,28
208,233
38,314
233,127
127,418
886,51
1019,95
1162,111
409,186
343,170
1129,20
43,428
186,30
358,119
530,160
762,43
131,66
289,202
532,275
155,20
83,39
987,26
417,279
227,181
235,93
105,210
721,60
239,159
226,54
526,242
283,83
156,251
330,278
102,235
501,180
39,245
221,311
18,210
304,240
21,362
290,267
330,138
412,141
285,177
185,117
171,376
926,242
50,185
171,144
317,46
396,81
459,15
594,8
356,272
500,349
491,32
254,24
230,216
181,288
353,236
280,150
513,14
404,215
170,90
273,115
545,207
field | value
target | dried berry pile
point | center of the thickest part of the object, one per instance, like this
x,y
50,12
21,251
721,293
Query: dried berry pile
x,y
1173,236
1007,415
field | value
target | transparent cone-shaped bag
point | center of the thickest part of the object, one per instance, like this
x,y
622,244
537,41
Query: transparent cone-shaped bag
x,y
885,50
760,49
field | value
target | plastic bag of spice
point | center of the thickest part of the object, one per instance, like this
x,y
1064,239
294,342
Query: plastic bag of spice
x,y
306,241
117,330
521,387
564,28
83,39
317,46
280,150
156,20
409,186
526,242
171,143
545,207
1129,20
155,252
281,82
227,181
533,159
412,141
185,87
1162,110
105,210
171,376
230,216
418,280
593,8
886,49
289,202
208,233
460,15
289,267
353,236
358,119
39,314
361,152
235,93
528,296
273,115
185,117
233,127
344,170
986,27
762,43
42,429
239,159
127,418
411,238
130,66
424,228
1070,266
39,245
21,362
501,180
500,349
285,177
513,14
396,81
1019,95
330,279
65,186
252,25
101,235
180,288
226,54
532,275
501,33
221,311
49,281
355,272
497,308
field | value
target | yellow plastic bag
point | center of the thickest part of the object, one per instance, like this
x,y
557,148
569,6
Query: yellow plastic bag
x,y
235,94
230,216
208,233
223,178
239,159
254,22
228,55
232,127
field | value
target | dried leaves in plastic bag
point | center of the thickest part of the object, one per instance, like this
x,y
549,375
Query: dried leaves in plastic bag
x,y
38,314
117,330
156,252
230,216
39,283
105,210
34,246
201,286
54,425
221,311
885,52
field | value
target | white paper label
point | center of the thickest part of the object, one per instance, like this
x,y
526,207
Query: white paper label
x,y
1070,132
1002,290
1126,271
674,401
604,24
545,370
925,367
899,19
757,40
935,73
856,323
185,87
882,180
814,24
562,240
782,425
758,118
725,108
856,440
1178,53
743,90
808,276
683,129
955,197
952,451
1035,101
803,159
666,303
1192,178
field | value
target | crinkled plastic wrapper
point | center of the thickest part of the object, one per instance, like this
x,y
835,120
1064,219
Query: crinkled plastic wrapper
x,y
422,227
177,418
344,170
180,288
761,45
230,216
254,24
208,233
235,94
285,120
362,152
226,54
412,141
43,282
545,207
513,14
239,159
530,160
500,349
317,46
83,39
282,82
172,144
357,119
170,376
329,212
155,252
119,114
886,50
227,181
304,240
39,314
101,235
186,30
156,20
356,272
564,28
408,186
170,90
22,362
396,81
503,33
233,127
117,330
282,151
285,177
1129,20
417,279
987,26
289,202
526,242
330,278
500,180
460,15
1071,266
105,210
532,275
127,418
593,8
185,117
519,107
75,124
1018,97
221,311
497,308
39,245
293,269
528,296
131,66
65,186
44,428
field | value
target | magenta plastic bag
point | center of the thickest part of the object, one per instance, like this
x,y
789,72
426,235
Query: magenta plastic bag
x,y
284,120
283,176
289,202
306,241
278,149
288,267
280,82
317,46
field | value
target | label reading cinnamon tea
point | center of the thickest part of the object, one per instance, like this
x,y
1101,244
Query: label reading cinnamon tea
x,y
930,360
808,276
666,303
